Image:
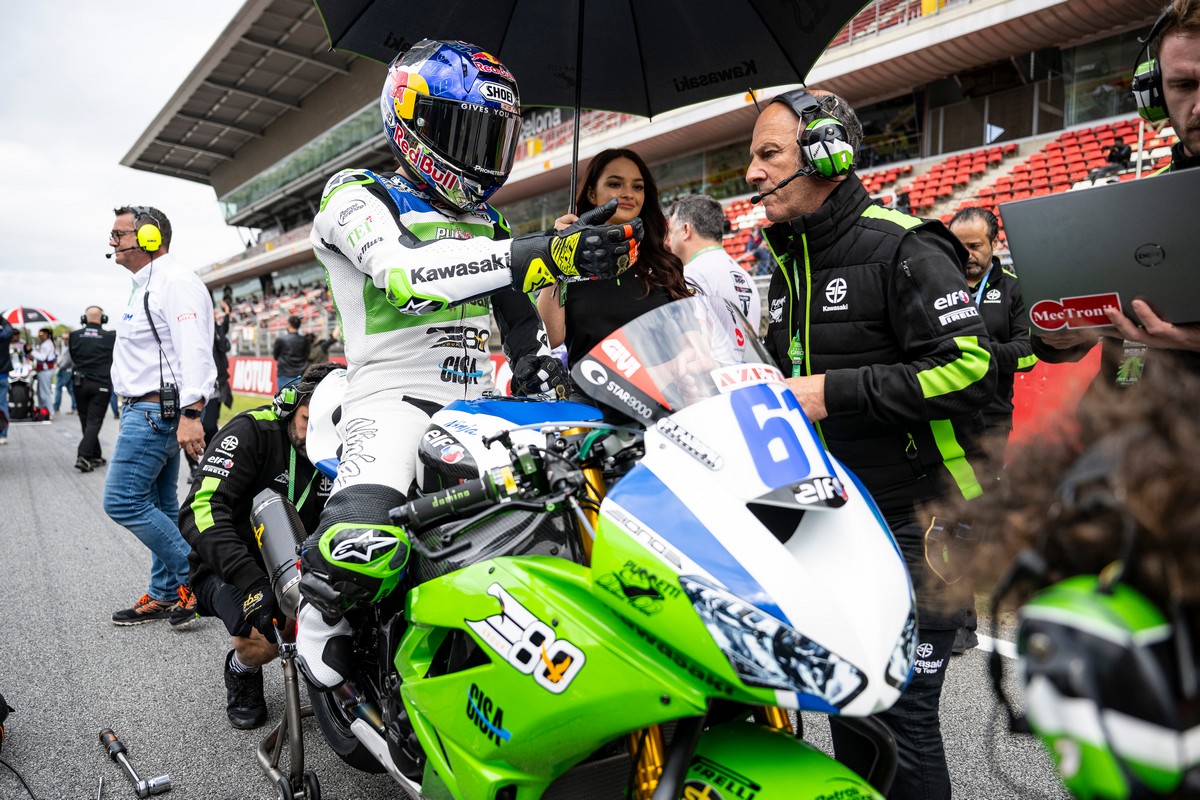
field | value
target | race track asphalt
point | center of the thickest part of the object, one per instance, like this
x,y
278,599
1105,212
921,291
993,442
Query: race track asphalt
x,y
68,672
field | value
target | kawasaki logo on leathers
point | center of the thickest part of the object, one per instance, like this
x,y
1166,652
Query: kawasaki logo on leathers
x,y
490,264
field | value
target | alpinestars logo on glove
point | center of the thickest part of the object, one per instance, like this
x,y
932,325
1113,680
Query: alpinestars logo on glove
x,y
363,546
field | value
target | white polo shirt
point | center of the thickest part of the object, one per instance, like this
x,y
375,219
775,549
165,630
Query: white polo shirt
x,y
182,312
718,275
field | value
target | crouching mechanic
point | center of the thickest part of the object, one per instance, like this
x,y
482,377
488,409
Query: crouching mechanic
x,y
256,450
409,255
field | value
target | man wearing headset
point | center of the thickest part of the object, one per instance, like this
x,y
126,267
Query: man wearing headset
x,y
869,314
1166,86
163,371
256,450
91,349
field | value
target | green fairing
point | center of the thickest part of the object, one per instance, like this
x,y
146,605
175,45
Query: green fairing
x,y
736,760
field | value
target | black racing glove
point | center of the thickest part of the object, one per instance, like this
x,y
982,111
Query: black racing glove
x,y
585,250
261,609
539,375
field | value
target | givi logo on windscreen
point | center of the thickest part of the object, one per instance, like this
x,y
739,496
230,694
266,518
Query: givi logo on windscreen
x,y
1074,312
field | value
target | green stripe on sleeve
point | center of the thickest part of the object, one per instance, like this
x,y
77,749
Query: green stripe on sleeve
x,y
201,507
955,459
906,221
959,373
1025,362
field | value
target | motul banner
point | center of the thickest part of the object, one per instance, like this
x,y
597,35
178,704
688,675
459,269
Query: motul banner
x,y
248,375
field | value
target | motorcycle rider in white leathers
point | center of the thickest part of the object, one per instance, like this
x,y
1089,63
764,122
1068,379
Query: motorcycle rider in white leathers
x,y
414,259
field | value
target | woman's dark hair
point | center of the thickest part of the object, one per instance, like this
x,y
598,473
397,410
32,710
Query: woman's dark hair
x,y
656,265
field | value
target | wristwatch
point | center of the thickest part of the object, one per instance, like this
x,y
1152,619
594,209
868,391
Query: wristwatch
x,y
191,413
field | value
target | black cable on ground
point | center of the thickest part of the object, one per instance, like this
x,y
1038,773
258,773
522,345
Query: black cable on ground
x,y
22,780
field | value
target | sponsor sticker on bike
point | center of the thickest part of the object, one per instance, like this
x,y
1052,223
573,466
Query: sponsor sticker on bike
x,y
738,375
529,645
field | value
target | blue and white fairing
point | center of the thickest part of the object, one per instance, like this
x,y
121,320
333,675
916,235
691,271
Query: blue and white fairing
x,y
783,554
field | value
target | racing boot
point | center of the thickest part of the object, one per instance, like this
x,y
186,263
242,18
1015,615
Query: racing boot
x,y
324,651
245,705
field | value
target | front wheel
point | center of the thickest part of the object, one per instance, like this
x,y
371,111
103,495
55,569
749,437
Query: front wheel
x,y
335,727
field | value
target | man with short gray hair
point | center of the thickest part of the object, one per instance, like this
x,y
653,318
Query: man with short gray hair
x,y
694,229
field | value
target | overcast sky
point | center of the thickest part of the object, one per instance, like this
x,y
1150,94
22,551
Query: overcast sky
x,y
81,82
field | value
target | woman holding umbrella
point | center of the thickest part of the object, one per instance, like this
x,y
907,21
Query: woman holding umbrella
x,y
584,313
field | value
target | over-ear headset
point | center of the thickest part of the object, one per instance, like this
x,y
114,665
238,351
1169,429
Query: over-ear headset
x,y
289,398
825,147
103,319
1147,82
149,235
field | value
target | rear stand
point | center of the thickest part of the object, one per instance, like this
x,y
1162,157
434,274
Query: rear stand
x,y
298,783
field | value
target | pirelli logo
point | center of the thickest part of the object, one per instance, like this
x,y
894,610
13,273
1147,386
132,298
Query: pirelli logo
x,y
957,314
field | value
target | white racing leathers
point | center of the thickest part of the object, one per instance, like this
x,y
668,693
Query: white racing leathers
x,y
412,280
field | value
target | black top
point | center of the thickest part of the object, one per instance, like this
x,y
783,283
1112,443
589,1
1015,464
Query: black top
x,y
91,349
291,353
595,309
251,453
1003,310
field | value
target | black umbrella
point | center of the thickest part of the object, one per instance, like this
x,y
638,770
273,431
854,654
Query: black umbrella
x,y
639,57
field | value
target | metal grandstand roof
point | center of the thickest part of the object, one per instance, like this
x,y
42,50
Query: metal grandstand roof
x,y
272,55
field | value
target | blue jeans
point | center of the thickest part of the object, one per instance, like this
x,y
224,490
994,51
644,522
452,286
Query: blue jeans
x,y
113,402
140,494
62,380
3,405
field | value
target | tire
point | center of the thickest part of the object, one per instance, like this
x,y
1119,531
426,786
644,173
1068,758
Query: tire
x,y
19,401
335,727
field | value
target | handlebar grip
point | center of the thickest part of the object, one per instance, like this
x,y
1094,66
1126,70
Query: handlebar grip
x,y
468,496
110,741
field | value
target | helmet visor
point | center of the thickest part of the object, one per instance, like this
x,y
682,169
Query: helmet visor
x,y
478,139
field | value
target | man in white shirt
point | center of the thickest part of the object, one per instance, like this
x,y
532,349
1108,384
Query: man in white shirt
x,y
694,230
163,371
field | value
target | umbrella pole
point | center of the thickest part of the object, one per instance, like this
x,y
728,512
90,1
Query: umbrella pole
x,y
578,111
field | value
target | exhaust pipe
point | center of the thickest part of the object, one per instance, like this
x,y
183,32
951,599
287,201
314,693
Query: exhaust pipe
x,y
279,532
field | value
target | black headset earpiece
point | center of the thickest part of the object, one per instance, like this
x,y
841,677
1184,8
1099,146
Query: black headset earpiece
x,y
825,147
1147,85
289,398
103,319
149,235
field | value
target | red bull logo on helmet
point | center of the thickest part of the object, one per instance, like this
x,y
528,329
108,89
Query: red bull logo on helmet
x,y
424,162
488,63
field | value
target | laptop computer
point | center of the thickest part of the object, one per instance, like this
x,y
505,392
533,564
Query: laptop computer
x,y
1080,252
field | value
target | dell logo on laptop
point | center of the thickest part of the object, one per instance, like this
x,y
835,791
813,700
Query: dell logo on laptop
x,y
1150,255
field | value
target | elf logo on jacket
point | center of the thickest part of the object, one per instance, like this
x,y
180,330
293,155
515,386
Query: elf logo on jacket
x,y
951,300
529,645
993,296
486,715
835,290
490,264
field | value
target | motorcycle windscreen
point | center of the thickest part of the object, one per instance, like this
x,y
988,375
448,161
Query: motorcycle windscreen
x,y
670,358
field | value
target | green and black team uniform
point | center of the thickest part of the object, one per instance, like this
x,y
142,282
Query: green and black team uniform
x,y
250,453
876,301
998,296
1122,361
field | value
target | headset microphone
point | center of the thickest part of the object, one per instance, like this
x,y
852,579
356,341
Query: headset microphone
x,y
800,173
121,250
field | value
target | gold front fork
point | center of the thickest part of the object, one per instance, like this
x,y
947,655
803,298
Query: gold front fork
x,y
775,718
648,744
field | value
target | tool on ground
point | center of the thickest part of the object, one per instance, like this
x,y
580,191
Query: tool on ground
x,y
142,788
100,788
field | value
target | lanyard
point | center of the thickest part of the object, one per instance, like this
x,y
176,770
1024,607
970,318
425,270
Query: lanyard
x,y
292,481
699,253
983,285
